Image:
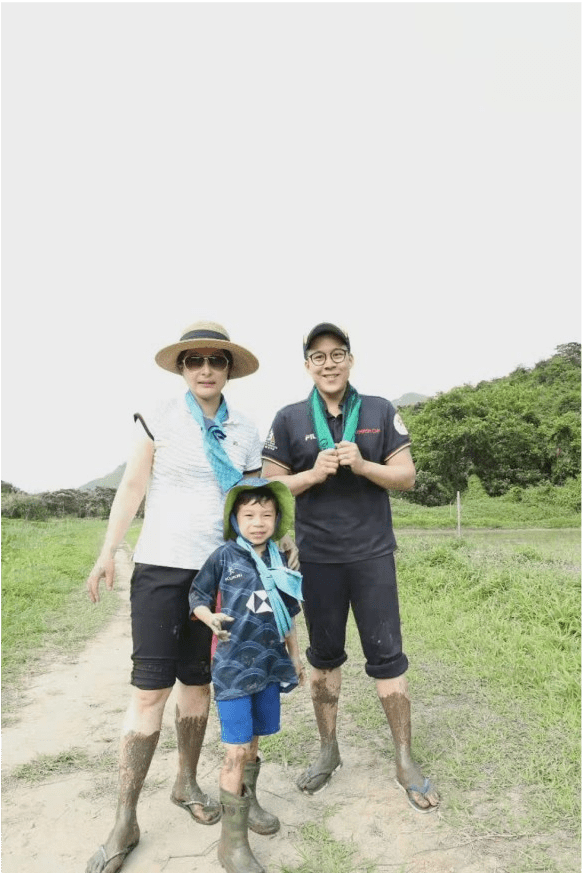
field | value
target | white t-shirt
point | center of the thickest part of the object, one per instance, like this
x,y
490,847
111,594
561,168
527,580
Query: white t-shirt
x,y
183,520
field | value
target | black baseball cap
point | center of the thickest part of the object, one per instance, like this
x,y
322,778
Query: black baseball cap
x,y
325,327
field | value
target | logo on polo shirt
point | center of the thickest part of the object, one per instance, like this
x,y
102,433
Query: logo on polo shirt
x,y
369,430
310,436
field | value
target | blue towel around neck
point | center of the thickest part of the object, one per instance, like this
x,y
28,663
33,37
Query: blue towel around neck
x,y
273,578
226,473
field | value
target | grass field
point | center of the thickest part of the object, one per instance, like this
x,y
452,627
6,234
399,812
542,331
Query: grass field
x,y
545,506
491,625
44,602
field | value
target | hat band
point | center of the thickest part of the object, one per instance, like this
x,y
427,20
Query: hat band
x,y
204,334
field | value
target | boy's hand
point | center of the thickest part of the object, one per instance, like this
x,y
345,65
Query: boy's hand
x,y
216,625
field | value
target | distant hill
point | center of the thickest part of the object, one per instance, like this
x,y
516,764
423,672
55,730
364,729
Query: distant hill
x,y
112,480
410,399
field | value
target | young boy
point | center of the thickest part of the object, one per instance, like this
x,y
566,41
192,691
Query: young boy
x,y
257,657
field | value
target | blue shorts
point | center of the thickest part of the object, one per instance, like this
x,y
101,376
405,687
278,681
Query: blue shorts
x,y
256,715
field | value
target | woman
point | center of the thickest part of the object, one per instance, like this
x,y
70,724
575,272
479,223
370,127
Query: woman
x,y
187,456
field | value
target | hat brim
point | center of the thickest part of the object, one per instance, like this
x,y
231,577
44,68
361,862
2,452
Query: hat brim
x,y
282,494
244,361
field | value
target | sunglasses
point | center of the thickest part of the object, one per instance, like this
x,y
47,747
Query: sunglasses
x,y
215,362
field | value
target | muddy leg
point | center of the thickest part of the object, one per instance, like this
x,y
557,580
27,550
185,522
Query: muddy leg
x,y
192,710
140,735
325,688
394,697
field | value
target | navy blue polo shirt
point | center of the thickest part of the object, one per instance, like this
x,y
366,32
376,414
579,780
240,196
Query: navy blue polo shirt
x,y
348,517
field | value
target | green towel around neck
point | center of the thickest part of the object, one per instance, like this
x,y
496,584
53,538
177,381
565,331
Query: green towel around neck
x,y
351,403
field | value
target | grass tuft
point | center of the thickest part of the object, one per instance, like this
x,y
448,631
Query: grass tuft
x,y
321,853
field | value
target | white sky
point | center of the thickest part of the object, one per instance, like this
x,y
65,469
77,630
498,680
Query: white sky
x,y
411,171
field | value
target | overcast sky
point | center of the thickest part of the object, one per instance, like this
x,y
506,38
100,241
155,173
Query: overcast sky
x,y
411,171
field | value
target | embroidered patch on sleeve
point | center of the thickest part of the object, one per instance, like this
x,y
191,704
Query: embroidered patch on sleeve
x,y
399,425
270,442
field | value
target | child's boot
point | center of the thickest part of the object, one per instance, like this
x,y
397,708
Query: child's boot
x,y
234,851
260,821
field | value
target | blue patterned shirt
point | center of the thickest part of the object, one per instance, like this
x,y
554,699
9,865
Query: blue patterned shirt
x,y
254,657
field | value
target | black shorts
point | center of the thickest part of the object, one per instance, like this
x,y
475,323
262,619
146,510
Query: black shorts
x,y
370,588
167,645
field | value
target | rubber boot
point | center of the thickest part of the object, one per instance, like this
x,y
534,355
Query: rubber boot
x,y
260,821
234,852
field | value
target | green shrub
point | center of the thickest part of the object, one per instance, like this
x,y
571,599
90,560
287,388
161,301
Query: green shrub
x,y
29,506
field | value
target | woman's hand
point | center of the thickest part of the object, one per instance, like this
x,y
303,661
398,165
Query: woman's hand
x,y
104,568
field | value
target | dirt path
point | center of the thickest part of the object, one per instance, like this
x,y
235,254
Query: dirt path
x,y
55,824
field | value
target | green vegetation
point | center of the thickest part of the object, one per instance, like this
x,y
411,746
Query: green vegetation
x,y
321,853
543,506
48,766
56,504
44,601
491,625
521,430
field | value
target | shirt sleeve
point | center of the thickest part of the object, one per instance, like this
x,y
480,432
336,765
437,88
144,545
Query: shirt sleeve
x,y
395,436
253,463
277,445
203,590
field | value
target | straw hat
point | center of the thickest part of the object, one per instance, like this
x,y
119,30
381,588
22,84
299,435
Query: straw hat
x,y
208,334
283,497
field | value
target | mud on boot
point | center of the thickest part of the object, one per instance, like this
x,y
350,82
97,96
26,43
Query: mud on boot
x,y
234,852
260,821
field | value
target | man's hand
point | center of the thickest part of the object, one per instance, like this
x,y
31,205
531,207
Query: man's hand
x,y
287,545
216,625
349,456
104,567
326,465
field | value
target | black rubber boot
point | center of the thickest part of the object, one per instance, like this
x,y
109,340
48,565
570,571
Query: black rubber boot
x,y
234,851
260,821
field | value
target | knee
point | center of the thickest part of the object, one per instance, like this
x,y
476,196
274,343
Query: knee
x,y
146,702
236,757
192,701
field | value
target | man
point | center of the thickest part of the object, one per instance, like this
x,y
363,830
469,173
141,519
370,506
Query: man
x,y
339,452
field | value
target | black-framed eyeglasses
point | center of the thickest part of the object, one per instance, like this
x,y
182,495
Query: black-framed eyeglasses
x,y
336,356
215,362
